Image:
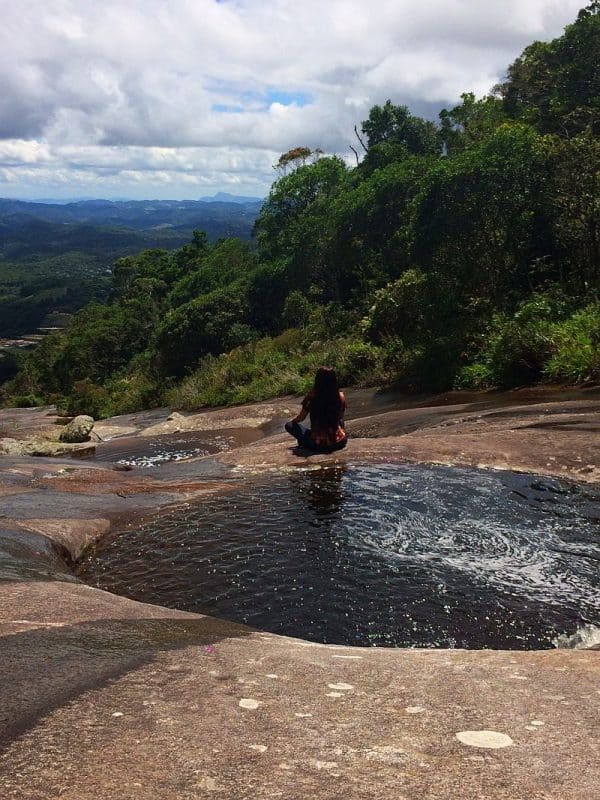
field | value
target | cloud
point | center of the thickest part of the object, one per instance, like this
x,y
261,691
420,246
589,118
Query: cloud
x,y
102,92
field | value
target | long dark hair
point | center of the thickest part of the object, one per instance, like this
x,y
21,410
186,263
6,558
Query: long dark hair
x,y
326,405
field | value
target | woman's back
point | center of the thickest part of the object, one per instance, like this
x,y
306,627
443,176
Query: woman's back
x,y
326,417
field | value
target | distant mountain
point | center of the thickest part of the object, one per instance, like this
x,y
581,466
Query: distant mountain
x,y
225,197
63,201
220,216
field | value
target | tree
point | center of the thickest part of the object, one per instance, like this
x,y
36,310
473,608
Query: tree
x,y
281,225
470,122
556,85
199,327
220,264
482,218
391,124
576,213
368,230
296,157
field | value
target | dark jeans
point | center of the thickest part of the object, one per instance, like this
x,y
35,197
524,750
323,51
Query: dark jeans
x,y
302,436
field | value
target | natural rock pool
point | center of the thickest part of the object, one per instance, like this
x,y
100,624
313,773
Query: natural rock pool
x,y
375,555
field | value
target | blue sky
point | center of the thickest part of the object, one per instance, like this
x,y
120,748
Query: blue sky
x,y
251,101
144,99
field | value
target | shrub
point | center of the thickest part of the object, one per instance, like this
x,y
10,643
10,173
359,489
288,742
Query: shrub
x,y
24,401
357,363
239,334
398,309
474,376
516,352
87,397
271,368
429,366
576,347
289,340
131,393
296,310
543,339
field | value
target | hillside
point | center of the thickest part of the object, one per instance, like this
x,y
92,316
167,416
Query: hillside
x,y
57,257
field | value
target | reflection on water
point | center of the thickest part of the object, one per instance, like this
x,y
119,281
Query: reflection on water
x,y
394,555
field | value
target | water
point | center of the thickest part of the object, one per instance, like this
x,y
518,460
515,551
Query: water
x,y
152,451
387,556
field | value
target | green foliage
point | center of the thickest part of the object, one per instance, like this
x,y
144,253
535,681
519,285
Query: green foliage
x,y
542,340
429,365
401,309
470,122
87,397
102,340
576,347
266,289
293,205
198,328
369,231
225,262
395,125
575,190
556,85
24,400
9,365
515,352
484,212
296,310
132,392
271,367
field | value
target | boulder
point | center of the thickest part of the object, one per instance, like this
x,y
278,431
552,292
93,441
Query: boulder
x,y
11,447
47,447
78,430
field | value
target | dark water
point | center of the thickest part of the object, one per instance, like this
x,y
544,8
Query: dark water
x,y
152,451
388,556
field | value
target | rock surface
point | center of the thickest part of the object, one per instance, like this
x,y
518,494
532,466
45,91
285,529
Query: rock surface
x,y
104,697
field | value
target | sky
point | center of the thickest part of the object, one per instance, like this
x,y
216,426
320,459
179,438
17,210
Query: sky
x,y
178,99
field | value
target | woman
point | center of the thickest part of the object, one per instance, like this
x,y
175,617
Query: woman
x,y
326,406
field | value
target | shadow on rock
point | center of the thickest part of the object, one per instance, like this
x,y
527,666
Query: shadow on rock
x,y
50,667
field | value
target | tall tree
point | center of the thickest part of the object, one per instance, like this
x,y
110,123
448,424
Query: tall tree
x,y
556,85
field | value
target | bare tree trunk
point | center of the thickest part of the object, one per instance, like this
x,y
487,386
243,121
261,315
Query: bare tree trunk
x,y
360,140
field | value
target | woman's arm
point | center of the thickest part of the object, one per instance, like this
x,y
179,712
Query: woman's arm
x,y
303,413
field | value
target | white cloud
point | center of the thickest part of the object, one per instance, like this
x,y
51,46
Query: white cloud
x,y
154,98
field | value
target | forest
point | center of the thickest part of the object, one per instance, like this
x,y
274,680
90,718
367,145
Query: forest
x,y
463,253
57,257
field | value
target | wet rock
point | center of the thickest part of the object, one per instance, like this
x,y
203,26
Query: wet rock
x,y
78,430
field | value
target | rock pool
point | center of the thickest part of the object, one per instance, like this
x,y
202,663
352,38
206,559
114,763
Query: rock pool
x,y
375,555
